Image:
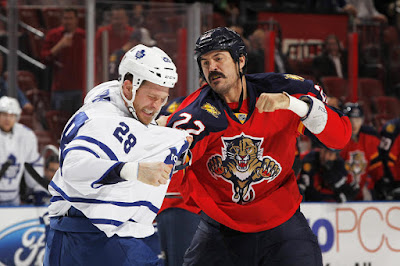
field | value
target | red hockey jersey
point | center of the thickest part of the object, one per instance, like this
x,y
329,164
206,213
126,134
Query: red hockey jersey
x,y
241,164
362,160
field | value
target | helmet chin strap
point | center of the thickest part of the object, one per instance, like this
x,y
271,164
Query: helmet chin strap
x,y
131,109
236,110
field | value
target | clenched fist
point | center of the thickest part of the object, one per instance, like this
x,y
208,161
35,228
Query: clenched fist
x,y
154,173
269,102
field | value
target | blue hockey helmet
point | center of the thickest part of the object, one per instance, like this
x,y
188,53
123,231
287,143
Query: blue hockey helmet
x,y
353,110
221,38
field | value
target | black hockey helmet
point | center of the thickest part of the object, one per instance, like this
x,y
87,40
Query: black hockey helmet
x,y
353,110
221,38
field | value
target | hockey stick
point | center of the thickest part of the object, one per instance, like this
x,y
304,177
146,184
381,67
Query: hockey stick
x,y
41,181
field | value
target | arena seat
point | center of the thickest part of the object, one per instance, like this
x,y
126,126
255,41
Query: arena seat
x,y
336,87
45,137
387,105
369,88
56,120
25,79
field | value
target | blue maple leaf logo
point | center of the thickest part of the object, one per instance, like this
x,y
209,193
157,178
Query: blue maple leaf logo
x,y
140,54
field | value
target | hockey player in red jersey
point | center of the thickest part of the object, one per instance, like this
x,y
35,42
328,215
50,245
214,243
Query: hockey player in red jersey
x,y
241,177
323,177
361,153
388,187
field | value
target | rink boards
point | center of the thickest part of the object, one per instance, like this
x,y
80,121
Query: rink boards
x,y
364,233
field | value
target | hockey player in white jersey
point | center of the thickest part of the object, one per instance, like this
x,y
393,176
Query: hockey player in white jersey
x,y
18,145
115,166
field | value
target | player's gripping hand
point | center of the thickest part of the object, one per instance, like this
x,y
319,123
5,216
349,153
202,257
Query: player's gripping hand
x,y
154,173
162,120
269,102
151,173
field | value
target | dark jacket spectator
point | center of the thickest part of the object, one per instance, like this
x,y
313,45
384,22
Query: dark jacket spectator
x,y
332,62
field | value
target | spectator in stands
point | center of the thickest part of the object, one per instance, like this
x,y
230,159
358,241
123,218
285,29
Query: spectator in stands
x,y
239,29
139,35
361,153
18,146
118,33
332,61
257,55
363,10
388,187
24,103
138,18
64,50
323,177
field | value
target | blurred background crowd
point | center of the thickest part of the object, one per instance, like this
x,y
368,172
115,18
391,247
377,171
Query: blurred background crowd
x,y
350,48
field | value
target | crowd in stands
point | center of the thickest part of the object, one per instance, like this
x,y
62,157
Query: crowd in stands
x,y
47,106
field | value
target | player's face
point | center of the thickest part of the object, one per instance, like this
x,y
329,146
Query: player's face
x,y
7,121
327,155
148,101
220,70
50,171
356,123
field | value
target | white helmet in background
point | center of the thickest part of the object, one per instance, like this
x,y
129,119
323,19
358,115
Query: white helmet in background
x,y
146,63
10,106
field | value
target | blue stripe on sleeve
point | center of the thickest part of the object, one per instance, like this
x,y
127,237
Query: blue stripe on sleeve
x,y
56,198
102,146
81,148
148,204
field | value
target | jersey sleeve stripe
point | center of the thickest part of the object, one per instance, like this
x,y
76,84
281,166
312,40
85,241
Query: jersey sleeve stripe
x,y
102,146
96,201
56,198
81,148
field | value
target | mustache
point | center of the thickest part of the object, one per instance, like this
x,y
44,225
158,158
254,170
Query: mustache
x,y
215,73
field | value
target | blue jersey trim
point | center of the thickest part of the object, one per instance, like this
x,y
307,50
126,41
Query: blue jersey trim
x,y
109,221
106,221
56,198
96,201
3,190
82,148
95,183
34,163
102,146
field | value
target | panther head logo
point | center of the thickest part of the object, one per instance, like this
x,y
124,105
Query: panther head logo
x,y
356,164
243,165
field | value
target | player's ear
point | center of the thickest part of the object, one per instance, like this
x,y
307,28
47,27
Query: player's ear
x,y
127,89
242,62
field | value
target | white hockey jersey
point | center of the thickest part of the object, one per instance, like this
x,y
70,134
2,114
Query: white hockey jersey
x,y
100,136
17,147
